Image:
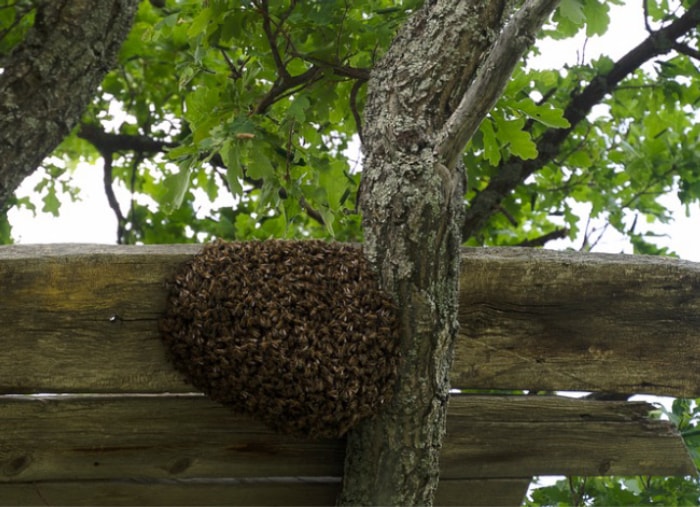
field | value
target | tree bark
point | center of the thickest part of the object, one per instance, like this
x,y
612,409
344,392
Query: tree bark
x,y
50,78
442,74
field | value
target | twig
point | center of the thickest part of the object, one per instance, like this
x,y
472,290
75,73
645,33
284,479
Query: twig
x,y
687,50
508,216
354,109
545,238
113,143
111,198
235,71
311,211
264,8
286,87
337,68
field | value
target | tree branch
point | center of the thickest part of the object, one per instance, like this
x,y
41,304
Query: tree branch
x,y
339,69
285,86
513,171
412,204
50,78
687,50
264,9
545,238
106,142
491,79
285,83
354,109
111,198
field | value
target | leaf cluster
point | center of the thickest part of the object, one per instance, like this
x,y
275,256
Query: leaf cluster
x,y
257,106
639,142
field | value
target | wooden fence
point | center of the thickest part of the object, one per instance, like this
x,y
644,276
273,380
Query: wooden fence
x,y
92,413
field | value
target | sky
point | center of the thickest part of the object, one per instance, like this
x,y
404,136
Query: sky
x,y
90,220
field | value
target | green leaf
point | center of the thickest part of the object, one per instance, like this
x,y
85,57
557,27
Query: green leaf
x,y
328,219
519,141
231,156
597,18
5,230
547,115
572,10
200,22
492,150
182,151
176,186
260,166
297,109
51,202
580,159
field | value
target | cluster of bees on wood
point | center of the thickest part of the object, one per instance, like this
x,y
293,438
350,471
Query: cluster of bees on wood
x,y
295,333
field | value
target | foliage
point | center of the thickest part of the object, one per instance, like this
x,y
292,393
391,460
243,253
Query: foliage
x,y
604,491
240,119
256,106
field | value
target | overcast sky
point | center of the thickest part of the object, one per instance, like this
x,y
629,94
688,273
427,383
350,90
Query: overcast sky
x,y
92,221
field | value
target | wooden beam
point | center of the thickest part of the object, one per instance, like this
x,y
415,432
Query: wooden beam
x,y
508,436
154,437
545,320
494,492
92,438
170,493
476,492
83,318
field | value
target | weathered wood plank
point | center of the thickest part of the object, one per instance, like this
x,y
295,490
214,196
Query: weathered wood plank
x,y
482,492
93,438
103,438
171,493
538,319
477,492
81,318
550,435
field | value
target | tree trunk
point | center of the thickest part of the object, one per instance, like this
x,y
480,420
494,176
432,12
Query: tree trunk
x,y
50,78
427,96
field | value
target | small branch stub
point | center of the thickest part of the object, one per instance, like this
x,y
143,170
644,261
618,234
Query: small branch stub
x,y
295,333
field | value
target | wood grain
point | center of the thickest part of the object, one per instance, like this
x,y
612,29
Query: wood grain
x,y
544,320
549,435
205,492
187,437
83,318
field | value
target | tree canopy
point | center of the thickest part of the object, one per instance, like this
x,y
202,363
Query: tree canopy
x,y
244,119
257,103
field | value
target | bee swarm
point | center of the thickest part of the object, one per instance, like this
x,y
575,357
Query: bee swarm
x,y
295,333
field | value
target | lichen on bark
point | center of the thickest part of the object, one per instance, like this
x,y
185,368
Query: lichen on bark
x,y
50,78
412,201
